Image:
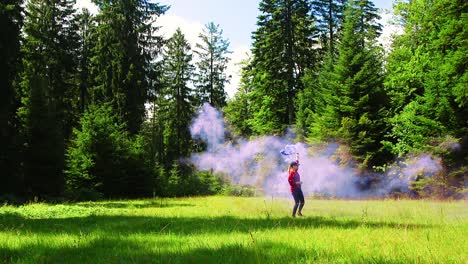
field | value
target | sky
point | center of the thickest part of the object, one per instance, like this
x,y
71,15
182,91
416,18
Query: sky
x,y
237,19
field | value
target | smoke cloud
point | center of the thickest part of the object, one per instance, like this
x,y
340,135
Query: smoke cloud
x,y
260,163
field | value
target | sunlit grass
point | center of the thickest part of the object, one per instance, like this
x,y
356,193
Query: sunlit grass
x,y
235,230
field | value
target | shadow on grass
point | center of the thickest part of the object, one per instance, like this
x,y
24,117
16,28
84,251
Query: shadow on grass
x,y
111,250
138,204
126,225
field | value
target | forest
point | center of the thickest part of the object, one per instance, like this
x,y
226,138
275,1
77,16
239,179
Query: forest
x,y
100,105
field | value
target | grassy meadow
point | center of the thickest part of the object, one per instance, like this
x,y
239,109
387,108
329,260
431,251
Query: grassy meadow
x,y
235,230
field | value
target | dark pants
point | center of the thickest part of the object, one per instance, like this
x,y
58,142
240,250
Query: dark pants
x,y
298,200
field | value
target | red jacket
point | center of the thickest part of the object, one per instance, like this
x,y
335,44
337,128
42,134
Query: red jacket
x,y
292,179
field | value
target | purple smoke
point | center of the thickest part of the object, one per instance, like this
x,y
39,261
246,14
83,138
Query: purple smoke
x,y
260,163
209,126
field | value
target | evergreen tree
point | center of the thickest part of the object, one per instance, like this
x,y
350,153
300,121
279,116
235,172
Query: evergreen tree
x,y
178,108
351,100
282,50
11,21
213,59
427,75
174,181
238,111
47,91
103,160
122,56
86,30
315,101
154,126
329,17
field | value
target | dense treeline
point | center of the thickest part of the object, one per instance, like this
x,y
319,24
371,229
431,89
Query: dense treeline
x,y
100,105
332,81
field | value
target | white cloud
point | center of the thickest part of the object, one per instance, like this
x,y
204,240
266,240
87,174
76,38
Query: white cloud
x,y
192,30
170,23
93,9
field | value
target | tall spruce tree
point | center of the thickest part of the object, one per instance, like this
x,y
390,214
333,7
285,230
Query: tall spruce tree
x,y
87,40
282,50
351,98
329,17
238,111
122,56
11,21
153,127
213,58
178,108
47,91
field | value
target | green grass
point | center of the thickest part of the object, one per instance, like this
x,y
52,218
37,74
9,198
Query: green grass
x,y
235,230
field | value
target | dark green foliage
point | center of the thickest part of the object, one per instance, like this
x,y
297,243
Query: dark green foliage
x,y
315,65
47,90
87,31
178,106
174,181
207,183
238,111
350,101
183,180
122,56
282,50
104,159
10,21
329,17
166,134
213,59
45,143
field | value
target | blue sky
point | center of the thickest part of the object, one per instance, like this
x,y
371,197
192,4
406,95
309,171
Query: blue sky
x,y
237,18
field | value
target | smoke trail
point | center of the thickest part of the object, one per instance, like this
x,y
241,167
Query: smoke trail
x,y
209,127
259,163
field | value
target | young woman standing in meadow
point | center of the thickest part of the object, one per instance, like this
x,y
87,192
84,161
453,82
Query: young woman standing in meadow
x,y
295,182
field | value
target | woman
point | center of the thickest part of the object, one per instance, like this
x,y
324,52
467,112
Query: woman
x,y
294,180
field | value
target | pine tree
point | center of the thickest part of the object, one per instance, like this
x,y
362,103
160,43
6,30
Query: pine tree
x,y
154,126
329,16
11,22
282,50
87,40
351,99
123,55
317,119
178,112
238,112
174,181
329,19
103,160
213,59
47,91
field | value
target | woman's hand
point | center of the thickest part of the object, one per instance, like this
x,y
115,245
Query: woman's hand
x,y
299,183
